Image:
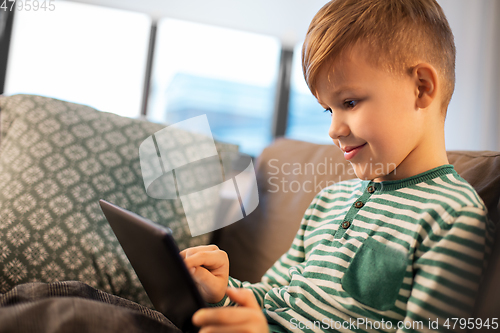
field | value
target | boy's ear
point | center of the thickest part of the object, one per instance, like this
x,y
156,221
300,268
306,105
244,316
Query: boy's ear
x,y
426,81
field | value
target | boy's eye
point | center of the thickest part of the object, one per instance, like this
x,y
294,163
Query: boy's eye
x,y
349,104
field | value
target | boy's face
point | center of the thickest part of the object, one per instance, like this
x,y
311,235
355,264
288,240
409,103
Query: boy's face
x,y
375,120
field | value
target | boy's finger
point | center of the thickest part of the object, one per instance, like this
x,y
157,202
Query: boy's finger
x,y
208,259
192,250
221,316
243,297
225,328
201,275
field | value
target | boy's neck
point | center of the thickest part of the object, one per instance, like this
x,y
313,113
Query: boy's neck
x,y
429,154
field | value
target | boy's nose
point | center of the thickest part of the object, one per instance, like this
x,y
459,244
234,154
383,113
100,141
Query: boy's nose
x,y
338,127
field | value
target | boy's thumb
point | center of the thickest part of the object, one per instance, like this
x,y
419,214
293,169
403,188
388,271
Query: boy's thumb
x,y
243,297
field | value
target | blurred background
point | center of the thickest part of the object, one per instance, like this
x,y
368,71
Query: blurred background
x,y
238,62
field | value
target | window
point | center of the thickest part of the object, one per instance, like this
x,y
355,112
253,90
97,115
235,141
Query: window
x,y
226,74
81,53
306,119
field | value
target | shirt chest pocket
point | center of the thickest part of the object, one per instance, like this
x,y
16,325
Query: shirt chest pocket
x,y
375,275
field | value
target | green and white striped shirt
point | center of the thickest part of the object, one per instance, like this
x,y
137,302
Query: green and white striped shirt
x,y
380,256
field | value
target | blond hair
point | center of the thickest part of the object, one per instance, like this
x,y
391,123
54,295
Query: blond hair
x,y
396,33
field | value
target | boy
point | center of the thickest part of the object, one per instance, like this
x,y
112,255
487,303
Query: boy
x,y
402,247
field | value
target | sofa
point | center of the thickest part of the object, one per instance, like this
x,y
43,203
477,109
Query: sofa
x,y
58,158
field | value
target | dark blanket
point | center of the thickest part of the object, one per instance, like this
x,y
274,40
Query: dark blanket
x,y
72,306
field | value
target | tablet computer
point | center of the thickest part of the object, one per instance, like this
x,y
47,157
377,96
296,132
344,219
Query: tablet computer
x,y
155,257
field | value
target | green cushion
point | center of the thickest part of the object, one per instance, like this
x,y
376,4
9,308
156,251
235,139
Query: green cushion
x,y
57,159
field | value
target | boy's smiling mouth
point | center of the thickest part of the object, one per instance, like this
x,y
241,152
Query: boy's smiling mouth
x,y
351,151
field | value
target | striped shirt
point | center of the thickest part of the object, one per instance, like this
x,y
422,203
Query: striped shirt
x,y
380,256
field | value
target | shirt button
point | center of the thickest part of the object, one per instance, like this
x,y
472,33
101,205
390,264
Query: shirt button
x,y
359,204
346,224
371,189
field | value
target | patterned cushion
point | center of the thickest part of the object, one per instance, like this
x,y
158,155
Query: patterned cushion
x,y
57,159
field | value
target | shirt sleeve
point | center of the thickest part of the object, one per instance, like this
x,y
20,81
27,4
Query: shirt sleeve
x,y
448,266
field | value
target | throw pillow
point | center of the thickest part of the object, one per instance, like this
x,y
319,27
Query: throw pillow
x,y
57,160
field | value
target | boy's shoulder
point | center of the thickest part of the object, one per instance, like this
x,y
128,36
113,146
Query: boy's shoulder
x,y
451,187
441,184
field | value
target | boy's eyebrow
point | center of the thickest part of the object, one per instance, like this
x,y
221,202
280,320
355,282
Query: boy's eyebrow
x,y
345,88
340,90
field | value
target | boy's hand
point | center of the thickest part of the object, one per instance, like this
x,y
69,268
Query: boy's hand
x,y
209,267
248,317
